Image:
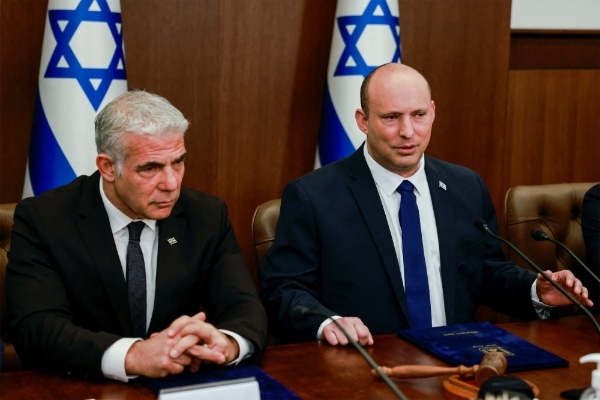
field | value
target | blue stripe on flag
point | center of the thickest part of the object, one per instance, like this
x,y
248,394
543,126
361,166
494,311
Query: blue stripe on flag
x,y
48,166
334,143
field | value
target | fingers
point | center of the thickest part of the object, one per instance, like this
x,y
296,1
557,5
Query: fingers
x,y
205,353
195,364
182,345
182,321
566,279
216,347
355,329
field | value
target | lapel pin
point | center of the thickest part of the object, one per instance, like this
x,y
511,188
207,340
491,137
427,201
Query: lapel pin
x,y
442,185
172,241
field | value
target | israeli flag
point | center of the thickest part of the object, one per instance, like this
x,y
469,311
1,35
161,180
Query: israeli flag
x,y
366,34
81,70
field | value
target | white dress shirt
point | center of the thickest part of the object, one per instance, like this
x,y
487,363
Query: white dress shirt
x,y
387,182
113,359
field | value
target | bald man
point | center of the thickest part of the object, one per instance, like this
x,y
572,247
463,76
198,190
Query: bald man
x,y
339,247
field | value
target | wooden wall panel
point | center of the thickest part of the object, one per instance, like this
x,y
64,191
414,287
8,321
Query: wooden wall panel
x,y
552,50
271,90
250,74
172,49
553,127
462,48
21,34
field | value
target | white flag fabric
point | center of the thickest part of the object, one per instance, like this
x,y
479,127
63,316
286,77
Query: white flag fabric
x,y
366,34
81,70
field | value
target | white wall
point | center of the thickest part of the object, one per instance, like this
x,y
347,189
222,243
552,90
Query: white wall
x,y
555,14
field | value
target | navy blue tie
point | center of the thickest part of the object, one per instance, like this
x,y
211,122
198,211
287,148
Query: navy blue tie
x,y
136,279
416,284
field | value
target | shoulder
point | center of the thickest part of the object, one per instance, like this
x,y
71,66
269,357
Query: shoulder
x,y
593,193
448,168
61,200
336,175
195,202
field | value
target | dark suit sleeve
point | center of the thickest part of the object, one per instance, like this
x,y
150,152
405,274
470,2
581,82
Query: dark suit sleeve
x,y
506,286
43,331
289,273
590,228
231,300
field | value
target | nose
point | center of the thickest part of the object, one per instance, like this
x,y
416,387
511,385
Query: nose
x,y
170,179
406,129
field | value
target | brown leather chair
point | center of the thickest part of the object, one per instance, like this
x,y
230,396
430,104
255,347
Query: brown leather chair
x,y
264,223
10,360
556,209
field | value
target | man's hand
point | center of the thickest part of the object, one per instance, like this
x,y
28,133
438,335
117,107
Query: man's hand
x,y
210,344
551,296
355,328
151,357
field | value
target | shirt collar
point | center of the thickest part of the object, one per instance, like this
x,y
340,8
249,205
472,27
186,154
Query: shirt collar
x,y
118,220
389,181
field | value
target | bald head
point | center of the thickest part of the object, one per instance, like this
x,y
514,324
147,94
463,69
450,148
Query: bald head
x,y
382,73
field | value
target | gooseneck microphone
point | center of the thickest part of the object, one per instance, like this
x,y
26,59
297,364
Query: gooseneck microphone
x,y
300,312
540,236
482,226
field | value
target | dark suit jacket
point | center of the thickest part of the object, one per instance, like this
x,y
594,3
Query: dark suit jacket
x,y
66,293
333,252
590,228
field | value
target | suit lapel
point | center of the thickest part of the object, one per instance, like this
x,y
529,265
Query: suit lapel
x,y
441,197
169,263
369,203
97,235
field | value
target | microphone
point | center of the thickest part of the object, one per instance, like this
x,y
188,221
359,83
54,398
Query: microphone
x,y
540,236
482,226
300,312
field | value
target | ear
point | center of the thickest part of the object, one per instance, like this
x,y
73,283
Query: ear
x,y
361,120
106,167
432,111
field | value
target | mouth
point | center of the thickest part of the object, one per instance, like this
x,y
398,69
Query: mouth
x,y
406,150
164,204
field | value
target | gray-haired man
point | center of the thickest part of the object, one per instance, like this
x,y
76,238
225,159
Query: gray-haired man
x,y
107,275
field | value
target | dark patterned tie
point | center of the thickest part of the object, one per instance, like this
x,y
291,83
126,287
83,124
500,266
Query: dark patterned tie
x,y
415,271
136,279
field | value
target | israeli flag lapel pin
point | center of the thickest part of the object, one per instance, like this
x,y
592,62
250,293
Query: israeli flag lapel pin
x,y
442,185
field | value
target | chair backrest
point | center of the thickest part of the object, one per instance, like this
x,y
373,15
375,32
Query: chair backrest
x,y
264,223
10,360
556,209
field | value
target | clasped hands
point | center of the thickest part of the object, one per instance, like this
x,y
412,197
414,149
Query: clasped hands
x,y
188,341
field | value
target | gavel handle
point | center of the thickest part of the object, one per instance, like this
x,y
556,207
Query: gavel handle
x,y
425,371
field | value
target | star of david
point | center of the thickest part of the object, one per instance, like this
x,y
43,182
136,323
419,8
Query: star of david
x,y
73,69
351,37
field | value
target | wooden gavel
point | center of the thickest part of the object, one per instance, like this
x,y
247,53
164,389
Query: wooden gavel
x,y
492,364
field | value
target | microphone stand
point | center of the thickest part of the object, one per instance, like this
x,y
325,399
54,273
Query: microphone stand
x,y
539,235
300,312
482,226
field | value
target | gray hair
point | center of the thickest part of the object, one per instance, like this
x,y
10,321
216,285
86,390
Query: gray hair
x,y
136,112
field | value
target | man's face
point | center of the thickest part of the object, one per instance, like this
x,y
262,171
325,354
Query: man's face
x,y
401,115
150,181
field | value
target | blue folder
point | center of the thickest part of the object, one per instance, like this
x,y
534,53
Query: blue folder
x,y
466,344
270,389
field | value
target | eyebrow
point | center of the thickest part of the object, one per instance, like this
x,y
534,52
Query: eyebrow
x,y
159,164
